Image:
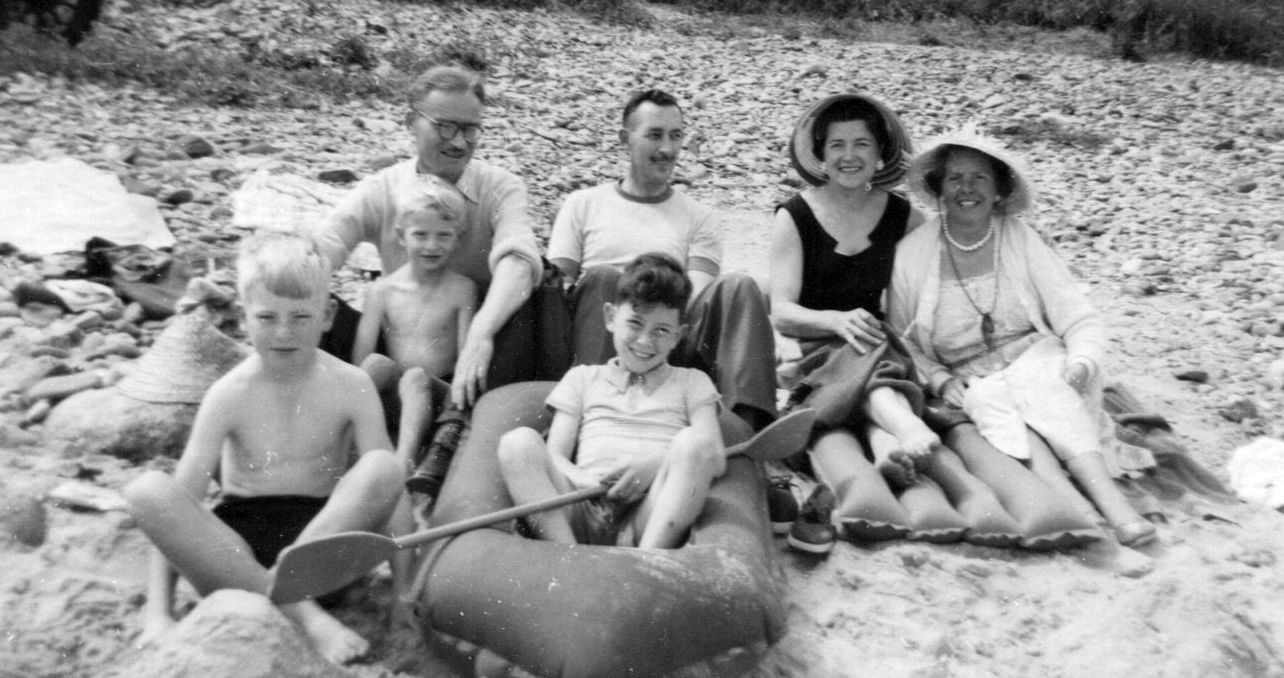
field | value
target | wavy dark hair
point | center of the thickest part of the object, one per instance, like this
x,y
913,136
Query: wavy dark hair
x,y
654,278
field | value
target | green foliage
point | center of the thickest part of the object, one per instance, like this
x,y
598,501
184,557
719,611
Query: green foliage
x,y
1247,30
249,79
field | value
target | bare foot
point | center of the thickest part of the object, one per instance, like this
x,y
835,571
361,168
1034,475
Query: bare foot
x,y
328,635
897,469
154,626
920,446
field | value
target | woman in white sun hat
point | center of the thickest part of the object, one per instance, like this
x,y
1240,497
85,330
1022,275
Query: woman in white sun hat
x,y
832,250
999,326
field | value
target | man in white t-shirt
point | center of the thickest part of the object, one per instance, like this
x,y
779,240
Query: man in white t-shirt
x,y
600,229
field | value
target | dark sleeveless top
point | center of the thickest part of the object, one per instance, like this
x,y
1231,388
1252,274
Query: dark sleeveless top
x,y
838,282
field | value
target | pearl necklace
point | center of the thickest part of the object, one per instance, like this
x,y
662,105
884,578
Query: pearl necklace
x,y
945,228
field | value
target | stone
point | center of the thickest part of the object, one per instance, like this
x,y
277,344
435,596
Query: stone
x,y
339,176
1197,376
180,196
1239,409
106,421
194,146
1245,186
22,516
229,634
260,148
383,161
1275,374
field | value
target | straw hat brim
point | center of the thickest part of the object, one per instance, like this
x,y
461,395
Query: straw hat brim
x,y
895,155
1023,192
183,362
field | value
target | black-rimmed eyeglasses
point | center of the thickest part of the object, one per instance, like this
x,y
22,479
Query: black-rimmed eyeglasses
x,y
446,129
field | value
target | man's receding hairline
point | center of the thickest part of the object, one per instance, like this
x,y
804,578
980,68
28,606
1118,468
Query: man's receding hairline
x,y
630,124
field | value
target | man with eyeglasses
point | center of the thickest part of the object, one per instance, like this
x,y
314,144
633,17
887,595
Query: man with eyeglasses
x,y
498,249
600,229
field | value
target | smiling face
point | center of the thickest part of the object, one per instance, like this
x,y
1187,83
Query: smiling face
x,y
643,336
428,238
969,187
445,158
285,332
851,153
653,137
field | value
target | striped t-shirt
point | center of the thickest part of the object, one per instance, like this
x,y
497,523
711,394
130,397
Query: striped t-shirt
x,y
623,414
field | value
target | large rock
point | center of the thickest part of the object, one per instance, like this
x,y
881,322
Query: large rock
x,y
106,421
230,634
22,516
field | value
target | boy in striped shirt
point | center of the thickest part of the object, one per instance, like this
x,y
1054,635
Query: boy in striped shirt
x,y
646,427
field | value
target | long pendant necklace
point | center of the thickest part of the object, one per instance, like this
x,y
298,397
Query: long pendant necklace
x,y
945,228
987,317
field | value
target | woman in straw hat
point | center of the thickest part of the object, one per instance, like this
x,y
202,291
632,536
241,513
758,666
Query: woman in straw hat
x,y
832,250
999,326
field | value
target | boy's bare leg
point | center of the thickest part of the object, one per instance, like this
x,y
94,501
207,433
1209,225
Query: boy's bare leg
x,y
402,565
891,411
677,495
212,556
528,471
158,616
383,371
896,467
416,411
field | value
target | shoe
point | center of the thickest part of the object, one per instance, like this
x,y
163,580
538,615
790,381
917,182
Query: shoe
x,y
429,476
1136,533
782,507
813,532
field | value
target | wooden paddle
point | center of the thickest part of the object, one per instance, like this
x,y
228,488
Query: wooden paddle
x,y
322,565
317,567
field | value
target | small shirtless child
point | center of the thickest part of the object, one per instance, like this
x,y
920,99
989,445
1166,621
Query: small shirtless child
x,y
422,312
647,427
296,441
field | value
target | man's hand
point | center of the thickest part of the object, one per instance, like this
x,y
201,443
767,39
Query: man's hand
x,y
469,381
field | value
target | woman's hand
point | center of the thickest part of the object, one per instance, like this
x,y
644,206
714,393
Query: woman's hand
x,y
858,327
1077,374
953,391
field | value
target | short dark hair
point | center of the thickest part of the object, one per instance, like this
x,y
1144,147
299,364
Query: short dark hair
x,y
1004,183
848,110
658,97
654,278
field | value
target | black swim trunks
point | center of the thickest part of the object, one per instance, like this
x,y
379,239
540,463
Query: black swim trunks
x,y
268,523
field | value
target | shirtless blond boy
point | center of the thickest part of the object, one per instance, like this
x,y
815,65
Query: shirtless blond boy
x,y
421,312
295,439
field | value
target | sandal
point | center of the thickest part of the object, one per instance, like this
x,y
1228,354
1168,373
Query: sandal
x,y
1136,533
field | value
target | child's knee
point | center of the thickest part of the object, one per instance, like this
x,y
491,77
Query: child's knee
x,y
381,468
148,492
519,448
691,452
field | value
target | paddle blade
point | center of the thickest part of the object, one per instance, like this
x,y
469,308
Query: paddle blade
x,y
327,564
783,438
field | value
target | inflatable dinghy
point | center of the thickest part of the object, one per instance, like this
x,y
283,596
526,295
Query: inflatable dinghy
x,y
512,605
